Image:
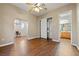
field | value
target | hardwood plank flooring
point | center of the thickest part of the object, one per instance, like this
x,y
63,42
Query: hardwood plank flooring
x,y
39,47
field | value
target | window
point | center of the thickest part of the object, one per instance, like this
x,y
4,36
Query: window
x,y
19,24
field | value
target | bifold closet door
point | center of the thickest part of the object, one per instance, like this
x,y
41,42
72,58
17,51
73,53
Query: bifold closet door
x,y
43,28
49,25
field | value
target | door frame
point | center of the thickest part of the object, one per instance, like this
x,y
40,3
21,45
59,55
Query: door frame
x,y
48,18
20,20
71,26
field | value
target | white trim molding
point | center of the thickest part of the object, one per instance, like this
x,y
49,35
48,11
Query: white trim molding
x,y
6,44
78,47
55,40
33,37
75,45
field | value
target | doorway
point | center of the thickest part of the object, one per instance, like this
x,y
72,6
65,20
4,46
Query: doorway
x,y
46,28
65,21
21,28
49,28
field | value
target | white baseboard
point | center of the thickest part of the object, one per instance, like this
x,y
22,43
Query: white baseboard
x,y
32,38
6,44
75,45
55,40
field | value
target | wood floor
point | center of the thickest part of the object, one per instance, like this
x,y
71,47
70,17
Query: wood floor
x,y
39,47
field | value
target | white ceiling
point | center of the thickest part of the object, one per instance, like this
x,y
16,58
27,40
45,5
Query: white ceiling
x,y
49,6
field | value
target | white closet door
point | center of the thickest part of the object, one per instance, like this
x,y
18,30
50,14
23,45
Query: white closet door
x,y
43,28
50,28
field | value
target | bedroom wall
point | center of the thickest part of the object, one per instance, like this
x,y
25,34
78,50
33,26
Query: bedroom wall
x,y
55,21
8,13
78,24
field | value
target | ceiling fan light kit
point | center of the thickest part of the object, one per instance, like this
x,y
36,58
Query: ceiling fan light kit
x,y
37,7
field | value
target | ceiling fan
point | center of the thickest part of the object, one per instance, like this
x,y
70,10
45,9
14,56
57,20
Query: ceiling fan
x,y
37,7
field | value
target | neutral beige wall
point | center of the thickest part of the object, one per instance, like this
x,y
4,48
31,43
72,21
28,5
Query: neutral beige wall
x,y
78,24
55,27
8,13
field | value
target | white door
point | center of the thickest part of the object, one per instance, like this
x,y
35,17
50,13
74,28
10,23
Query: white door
x,y
50,28
44,28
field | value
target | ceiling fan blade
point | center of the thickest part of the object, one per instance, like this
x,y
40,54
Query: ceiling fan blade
x,y
45,8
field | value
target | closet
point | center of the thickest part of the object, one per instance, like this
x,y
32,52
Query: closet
x,y
46,28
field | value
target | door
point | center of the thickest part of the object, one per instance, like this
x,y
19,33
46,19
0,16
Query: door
x,y
43,28
49,28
